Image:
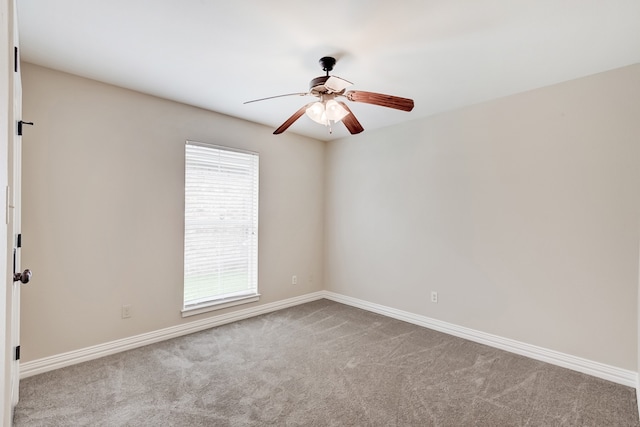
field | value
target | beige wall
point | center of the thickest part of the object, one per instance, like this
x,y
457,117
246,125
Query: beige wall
x,y
103,177
522,213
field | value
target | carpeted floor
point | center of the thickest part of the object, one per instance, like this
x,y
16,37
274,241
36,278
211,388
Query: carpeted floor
x,y
321,364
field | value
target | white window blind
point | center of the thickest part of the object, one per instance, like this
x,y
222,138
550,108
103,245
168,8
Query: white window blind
x,y
221,225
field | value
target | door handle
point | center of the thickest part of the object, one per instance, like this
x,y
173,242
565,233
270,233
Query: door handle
x,y
23,277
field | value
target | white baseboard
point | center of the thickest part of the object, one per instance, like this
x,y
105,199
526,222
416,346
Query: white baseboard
x,y
596,369
46,364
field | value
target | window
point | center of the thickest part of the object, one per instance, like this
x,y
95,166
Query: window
x,y
221,227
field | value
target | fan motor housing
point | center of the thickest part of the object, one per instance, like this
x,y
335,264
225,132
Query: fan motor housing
x,y
316,86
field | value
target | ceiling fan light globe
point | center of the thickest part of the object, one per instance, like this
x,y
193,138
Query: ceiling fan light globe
x,y
316,112
335,111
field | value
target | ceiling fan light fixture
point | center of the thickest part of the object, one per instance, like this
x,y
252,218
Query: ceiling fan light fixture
x,y
317,113
322,112
335,111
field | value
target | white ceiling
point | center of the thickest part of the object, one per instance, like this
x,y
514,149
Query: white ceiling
x,y
444,54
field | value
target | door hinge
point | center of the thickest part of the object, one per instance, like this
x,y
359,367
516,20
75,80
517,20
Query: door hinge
x,y
17,353
19,241
20,123
15,59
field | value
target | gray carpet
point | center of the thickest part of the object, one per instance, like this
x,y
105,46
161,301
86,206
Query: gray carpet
x,y
321,364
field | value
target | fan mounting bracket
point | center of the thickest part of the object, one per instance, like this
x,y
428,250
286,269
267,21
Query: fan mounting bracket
x,y
327,63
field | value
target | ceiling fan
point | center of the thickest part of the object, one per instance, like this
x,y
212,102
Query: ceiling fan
x,y
330,108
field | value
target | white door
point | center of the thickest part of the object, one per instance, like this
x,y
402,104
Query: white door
x,y
6,121
10,114
15,161
13,219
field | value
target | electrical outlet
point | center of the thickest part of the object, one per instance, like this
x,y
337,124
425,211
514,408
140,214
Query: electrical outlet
x,y
294,280
434,296
126,311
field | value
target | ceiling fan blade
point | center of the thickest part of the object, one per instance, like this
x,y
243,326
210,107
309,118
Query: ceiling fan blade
x,y
336,84
277,96
291,119
404,104
352,124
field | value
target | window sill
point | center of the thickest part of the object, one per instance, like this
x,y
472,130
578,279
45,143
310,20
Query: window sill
x,y
219,305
